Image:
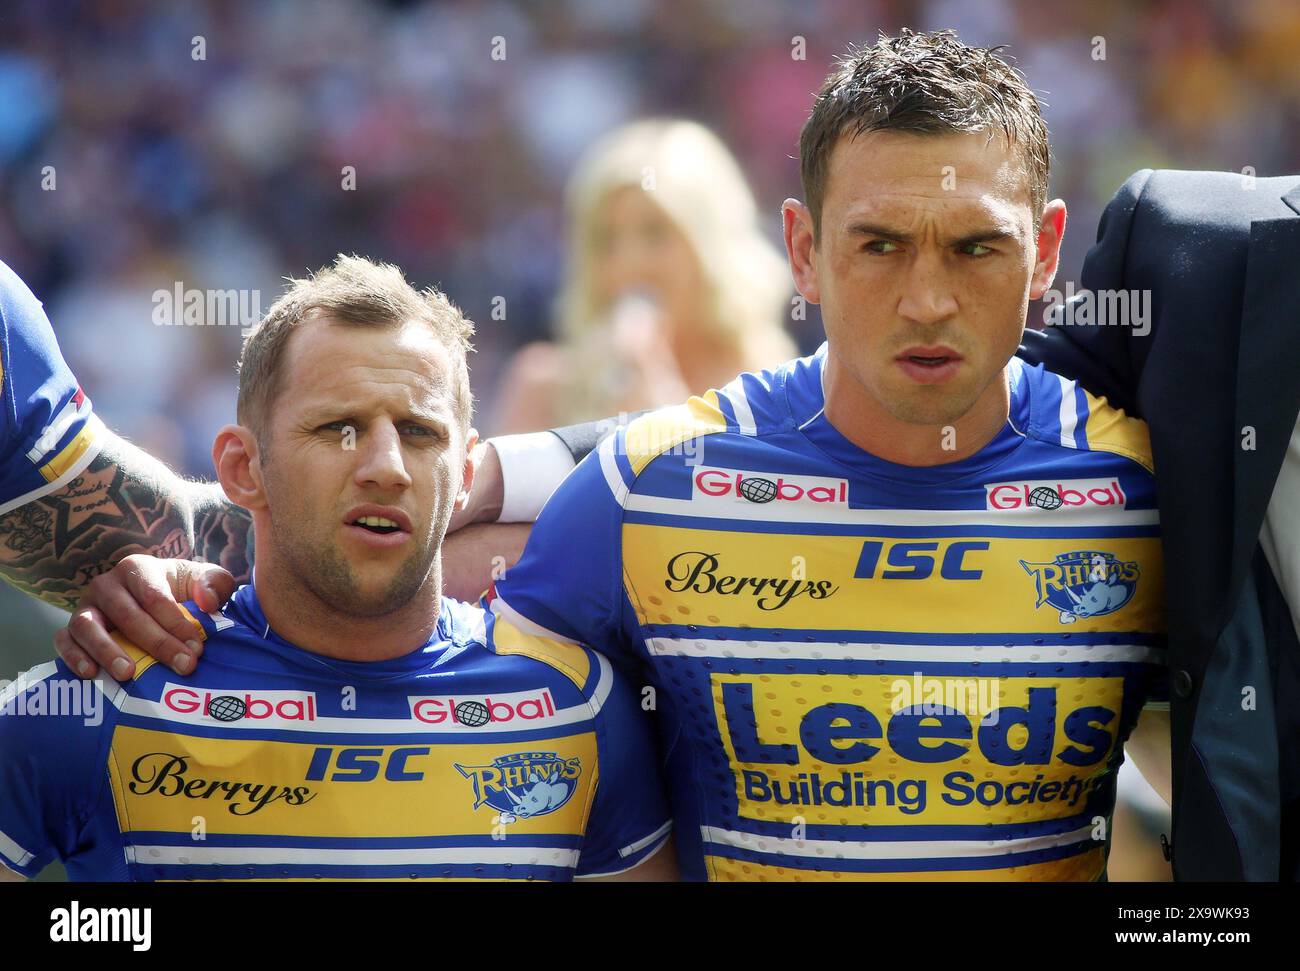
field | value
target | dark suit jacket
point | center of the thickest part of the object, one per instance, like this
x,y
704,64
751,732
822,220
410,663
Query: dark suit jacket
x,y
1222,263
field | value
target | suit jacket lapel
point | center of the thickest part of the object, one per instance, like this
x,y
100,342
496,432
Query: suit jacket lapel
x,y
1268,375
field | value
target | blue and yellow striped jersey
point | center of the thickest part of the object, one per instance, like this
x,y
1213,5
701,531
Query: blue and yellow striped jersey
x,y
484,755
48,433
869,670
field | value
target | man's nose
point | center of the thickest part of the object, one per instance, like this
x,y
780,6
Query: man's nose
x,y
379,461
928,293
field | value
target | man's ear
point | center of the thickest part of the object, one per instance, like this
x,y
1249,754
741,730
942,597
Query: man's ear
x,y
238,463
1051,230
797,223
467,473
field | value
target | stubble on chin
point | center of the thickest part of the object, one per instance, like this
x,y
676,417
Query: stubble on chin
x,y
325,572
946,410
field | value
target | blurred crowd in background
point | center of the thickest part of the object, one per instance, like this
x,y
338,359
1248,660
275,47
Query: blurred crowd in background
x,y
149,144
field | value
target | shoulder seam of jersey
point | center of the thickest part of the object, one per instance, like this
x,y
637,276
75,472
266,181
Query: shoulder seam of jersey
x,y
1139,457
649,436
552,658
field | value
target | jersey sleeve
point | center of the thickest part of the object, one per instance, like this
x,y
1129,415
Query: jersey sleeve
x,y
532,467
52,764
48,433
568,582
630,818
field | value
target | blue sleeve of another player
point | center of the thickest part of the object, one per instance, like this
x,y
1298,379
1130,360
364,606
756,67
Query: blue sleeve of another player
x,y
630,818
47,433
570,578
52,764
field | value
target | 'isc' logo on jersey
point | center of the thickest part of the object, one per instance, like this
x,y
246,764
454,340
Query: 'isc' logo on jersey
x,y
523,784
1084,583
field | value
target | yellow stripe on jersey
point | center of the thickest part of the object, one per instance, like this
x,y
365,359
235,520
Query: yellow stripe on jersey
x,y
1110,430
569,659
1084,867
162,780
661,430
767,580
142,661
202,634
75,449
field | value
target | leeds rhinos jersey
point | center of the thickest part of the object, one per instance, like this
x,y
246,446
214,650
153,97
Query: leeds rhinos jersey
x,y
868,670
48,434
480,756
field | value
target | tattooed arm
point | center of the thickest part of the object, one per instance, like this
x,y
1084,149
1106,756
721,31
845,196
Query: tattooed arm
x,y
124,502
62,547
75,498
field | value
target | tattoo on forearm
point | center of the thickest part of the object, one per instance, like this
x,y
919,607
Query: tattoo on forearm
x,y
123,503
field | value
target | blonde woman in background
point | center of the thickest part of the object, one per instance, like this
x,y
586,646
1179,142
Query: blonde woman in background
x,y
670,288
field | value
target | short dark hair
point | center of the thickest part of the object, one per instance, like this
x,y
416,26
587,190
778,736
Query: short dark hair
x,y
353,291
926,84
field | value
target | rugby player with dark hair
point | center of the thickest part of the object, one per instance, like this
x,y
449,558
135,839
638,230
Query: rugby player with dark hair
x,y
809,562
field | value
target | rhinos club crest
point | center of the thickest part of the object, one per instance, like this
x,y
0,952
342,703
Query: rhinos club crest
x,y
523,784
1084,583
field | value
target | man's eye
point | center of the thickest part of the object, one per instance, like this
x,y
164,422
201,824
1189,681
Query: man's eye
x,y
969,247
335,426
878,246
421,431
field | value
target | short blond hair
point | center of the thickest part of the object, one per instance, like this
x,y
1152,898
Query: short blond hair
x,y
356,291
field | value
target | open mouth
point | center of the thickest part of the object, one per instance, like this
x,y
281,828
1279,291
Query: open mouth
x,y
929,365
928,361
377,524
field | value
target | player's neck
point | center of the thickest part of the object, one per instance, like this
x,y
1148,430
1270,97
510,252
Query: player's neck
x,y
866,423
303,619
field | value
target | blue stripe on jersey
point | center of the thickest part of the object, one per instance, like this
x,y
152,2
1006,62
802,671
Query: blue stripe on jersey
x,y
1081,409
164,838
894,832
998,862
1046,423
933,669
390,736
728,412
621,460
593,675
826,636
296,871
